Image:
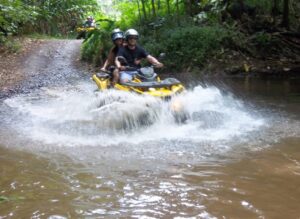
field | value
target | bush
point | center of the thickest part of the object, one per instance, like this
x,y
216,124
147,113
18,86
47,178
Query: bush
x,y
95,48
188,45
9,45
262,39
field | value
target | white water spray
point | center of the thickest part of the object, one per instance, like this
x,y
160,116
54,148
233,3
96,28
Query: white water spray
x,y
80,116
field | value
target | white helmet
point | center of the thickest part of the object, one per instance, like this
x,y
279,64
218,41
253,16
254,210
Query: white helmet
x,y
117,34
117,30
131,32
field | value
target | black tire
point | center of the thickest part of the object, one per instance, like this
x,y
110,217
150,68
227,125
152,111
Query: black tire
x,y
81,35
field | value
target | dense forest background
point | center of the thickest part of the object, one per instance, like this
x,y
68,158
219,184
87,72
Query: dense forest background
x,y
196,32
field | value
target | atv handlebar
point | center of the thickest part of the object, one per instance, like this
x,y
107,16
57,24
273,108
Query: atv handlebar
x,y
104,71
124,63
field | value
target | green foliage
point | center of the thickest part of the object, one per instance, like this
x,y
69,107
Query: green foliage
x,y
7,199
3,198
10,45
98,43
129,13
14,14
96,46
261,5
60,17
188,45
43,16
133,14
262,39
187,39
265,43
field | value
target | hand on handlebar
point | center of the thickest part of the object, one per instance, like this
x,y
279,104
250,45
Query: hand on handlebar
x,y
137,61
104,70
122,68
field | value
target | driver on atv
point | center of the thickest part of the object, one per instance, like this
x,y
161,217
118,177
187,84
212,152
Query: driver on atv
x,y
89,22
133,54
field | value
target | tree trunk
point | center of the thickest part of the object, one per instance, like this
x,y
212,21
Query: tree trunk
x,y
168,7
242,4
275,8
191,7
188,7
153,8
144,9
286,12
177,11
140,16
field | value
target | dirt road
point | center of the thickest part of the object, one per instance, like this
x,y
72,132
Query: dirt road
x,y
38,60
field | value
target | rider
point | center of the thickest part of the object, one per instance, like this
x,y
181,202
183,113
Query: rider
x,y
133,54
117,37
89,22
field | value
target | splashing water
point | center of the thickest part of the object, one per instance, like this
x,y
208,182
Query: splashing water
x,y
80,116
117,154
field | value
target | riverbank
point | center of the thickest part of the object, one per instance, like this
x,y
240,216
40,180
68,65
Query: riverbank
x,y
229,64
237,64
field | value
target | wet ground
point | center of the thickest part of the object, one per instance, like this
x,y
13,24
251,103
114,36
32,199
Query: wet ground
x,y
69,152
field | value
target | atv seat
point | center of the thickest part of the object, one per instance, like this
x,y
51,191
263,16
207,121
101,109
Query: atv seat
x,y
168,82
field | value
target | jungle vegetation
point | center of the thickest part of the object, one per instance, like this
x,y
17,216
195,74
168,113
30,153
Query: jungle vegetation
x,y
192,31
46,17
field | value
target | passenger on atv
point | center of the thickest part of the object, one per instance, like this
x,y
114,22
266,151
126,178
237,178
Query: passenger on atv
x,y
117,38
133,54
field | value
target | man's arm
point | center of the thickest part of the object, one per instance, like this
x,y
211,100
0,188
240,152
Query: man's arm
x,y
154,61
119,65
117,61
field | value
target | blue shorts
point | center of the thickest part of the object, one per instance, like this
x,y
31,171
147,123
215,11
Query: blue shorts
x,y
127,75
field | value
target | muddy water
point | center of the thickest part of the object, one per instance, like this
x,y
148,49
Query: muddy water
x,y
69,152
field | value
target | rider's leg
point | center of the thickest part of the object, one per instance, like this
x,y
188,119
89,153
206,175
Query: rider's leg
x,y
115,76
125,76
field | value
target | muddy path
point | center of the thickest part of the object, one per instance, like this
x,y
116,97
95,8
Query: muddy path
x,y
39,64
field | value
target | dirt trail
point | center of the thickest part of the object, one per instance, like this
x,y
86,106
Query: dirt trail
x,y
38,64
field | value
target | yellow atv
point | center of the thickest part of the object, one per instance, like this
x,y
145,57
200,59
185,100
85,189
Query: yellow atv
x,y
145,82
82,31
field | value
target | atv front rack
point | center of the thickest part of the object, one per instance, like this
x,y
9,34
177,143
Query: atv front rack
x,y
168,82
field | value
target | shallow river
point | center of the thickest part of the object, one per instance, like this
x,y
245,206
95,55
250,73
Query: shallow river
x,y
67,151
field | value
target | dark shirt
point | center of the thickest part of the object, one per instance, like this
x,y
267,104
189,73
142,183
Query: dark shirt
x,y
132,55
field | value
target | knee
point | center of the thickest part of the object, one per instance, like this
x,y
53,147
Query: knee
x,y
116,72
124,80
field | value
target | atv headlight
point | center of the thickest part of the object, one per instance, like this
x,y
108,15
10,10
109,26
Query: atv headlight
x,y
176,105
